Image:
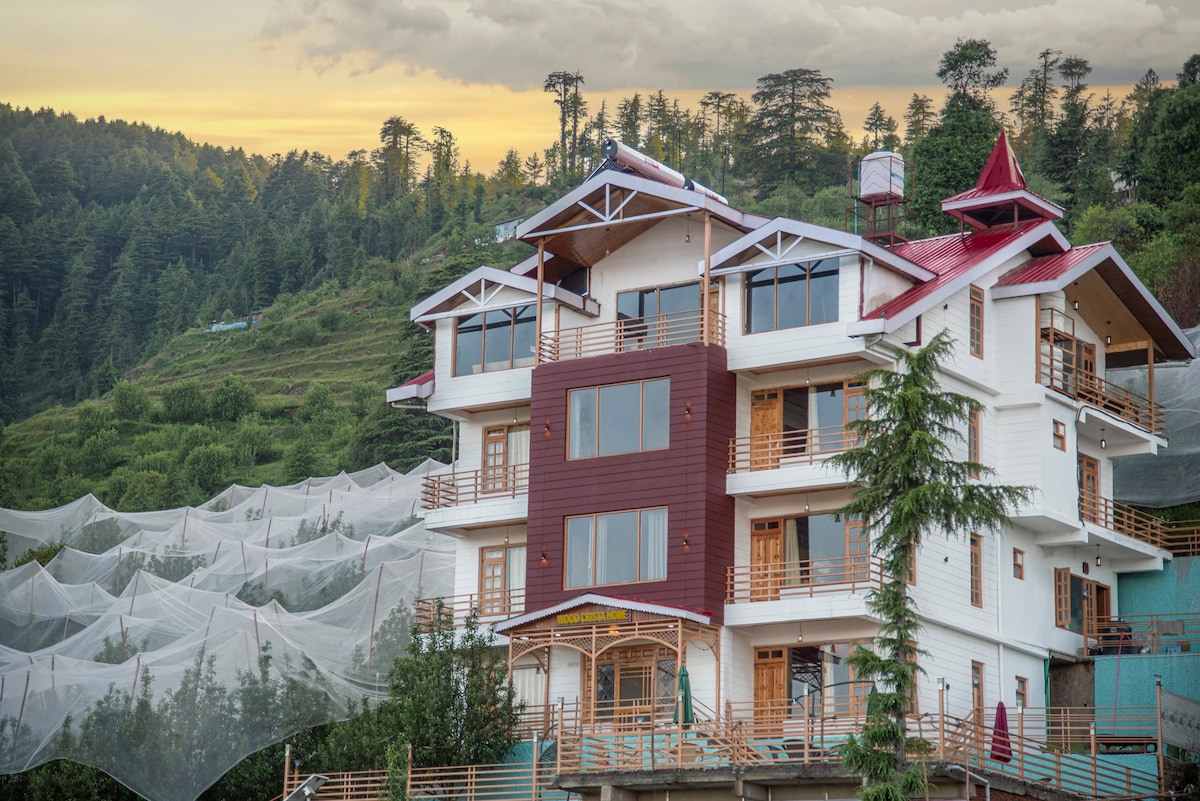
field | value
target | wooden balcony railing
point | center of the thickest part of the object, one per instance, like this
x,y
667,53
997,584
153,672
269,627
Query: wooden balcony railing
x,y
1123,519
802,579
1182,537
453,489
640,333
1156,634
501,603
1093,390
1058,748
772,451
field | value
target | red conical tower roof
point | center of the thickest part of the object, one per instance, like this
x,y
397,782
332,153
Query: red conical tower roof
x,y
1001,198
1001,173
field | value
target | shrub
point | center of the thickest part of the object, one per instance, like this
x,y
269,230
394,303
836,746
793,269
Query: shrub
x,y
231,398
184,402
208,467
194,437
317,401
331,319
130,401
90,420
147,490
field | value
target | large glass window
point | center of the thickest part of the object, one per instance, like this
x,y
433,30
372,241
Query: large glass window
x,y
616,548
500,339
792,295
619,418
659,316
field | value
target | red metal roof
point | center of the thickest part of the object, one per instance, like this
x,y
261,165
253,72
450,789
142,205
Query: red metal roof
x,y
1048,268
422,379
949,257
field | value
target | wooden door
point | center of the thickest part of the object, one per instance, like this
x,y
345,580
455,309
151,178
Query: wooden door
x,y
1086,363
858,553
496,476
493,593
977,691
854,408
766,559
771,699
766,428
1089,489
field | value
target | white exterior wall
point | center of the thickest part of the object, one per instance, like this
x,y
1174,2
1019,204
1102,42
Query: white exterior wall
x,y
881,285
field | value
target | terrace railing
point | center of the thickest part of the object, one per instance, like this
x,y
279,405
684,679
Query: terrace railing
x,y
786,448
639,333
500,603
802,579
452,489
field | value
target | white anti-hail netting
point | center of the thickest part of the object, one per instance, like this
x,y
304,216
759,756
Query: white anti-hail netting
x,y
164,647
1173,476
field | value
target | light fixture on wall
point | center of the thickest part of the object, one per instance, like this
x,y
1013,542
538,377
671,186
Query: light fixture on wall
x,y
806,507
687,411
1075,304
543,557
1103,441
1108,336
1099,562
800,634
686,544
546,430
687,237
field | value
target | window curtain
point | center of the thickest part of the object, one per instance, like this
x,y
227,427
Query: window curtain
x,y
518,454
793,573
654,544
514,575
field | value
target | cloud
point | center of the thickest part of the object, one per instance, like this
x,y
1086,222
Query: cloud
x,y
716,44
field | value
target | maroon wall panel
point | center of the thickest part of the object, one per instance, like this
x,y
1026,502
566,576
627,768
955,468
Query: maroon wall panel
x,y
688,477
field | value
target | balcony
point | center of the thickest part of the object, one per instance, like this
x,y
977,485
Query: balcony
x,y
1139,634
657,331
1067,365
490,483
772,451
485,605
1122,519
802,579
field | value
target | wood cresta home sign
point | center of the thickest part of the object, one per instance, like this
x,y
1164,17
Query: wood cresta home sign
x,y
589,618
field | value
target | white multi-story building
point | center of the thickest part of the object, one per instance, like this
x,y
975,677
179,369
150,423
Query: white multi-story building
x,y
645,409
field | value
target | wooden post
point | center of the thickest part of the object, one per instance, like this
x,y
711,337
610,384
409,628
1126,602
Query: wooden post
x,y
287,767
941,720
537,313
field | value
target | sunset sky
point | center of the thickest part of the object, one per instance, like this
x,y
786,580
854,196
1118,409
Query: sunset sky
x,y
271,76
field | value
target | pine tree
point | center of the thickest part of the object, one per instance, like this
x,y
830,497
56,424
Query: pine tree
x,y
910,487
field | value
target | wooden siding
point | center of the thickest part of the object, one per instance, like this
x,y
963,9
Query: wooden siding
x,y
688,477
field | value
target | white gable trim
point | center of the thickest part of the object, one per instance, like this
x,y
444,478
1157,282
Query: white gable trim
x,y
481,288
790,233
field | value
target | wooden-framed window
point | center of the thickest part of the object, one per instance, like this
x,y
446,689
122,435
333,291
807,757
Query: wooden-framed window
x,y
976,322
501,579
1018,564
616,548
1022,692
619,418
973,439
1079,603
1059,437
976,570
500,339
792,295
978,695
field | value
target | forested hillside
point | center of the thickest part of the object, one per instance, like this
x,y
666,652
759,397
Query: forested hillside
x,y
117,238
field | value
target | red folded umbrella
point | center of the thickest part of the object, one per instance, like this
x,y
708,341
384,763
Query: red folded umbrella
x,y
1001,742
